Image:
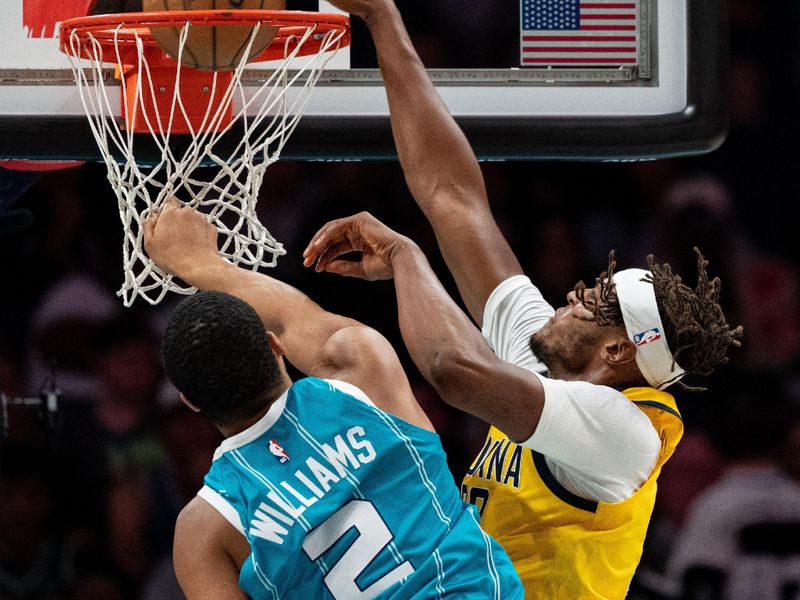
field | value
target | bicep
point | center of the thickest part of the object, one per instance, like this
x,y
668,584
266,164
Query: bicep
x,y
329,346
364,358
302,326
307,336
204,566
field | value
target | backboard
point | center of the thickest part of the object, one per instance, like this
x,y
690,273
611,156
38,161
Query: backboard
x,y
646,80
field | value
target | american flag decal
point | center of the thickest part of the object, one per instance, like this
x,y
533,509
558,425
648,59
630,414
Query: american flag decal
x,y
597,33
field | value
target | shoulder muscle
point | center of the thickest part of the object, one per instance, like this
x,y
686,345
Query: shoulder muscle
x,y
361,356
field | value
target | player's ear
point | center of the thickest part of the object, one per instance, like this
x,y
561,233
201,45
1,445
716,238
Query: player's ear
x,y
185,400
618,350
277,346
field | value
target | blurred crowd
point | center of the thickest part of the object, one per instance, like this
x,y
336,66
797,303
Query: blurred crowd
x,y
87,506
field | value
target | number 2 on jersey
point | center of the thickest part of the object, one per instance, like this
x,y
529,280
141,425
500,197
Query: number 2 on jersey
x,y
373,537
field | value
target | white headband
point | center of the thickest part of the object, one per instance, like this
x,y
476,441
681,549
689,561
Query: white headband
x,y
637,299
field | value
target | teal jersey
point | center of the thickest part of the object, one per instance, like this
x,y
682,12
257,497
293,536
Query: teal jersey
x,y
341,500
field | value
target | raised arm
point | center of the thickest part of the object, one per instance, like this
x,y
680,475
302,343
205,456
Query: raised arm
x,y
446,347
319,343
439,165
560,419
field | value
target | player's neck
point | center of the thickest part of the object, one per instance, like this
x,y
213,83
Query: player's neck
x,y
598,373
595,371
239,426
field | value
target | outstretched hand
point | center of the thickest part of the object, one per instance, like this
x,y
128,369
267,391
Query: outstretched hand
x,y
362,233
179,240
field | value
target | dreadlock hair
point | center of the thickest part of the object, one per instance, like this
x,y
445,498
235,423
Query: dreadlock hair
x,y
695,326
216,352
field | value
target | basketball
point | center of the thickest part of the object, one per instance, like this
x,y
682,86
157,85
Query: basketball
x,y
213,48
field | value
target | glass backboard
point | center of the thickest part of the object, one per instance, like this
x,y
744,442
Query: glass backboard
x,y
526,79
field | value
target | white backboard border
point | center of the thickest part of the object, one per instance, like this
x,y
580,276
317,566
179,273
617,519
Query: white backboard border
x,y
684,114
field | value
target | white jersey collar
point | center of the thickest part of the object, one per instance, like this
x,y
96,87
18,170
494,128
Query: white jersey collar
x,y
256,430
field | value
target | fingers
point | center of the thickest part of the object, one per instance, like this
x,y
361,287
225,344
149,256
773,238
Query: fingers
x,y
149,228
169,205
331,234
171,214
346,268
333,230
332,253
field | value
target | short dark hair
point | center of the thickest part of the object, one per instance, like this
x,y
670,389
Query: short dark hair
x,y
216,352
696,328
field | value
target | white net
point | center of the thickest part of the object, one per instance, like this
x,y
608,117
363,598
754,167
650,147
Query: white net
x,y
264,116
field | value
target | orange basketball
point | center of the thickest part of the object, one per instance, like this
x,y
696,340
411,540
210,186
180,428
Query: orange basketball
x,y
213,48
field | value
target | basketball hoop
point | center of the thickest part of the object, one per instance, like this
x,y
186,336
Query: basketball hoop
x,y
187,113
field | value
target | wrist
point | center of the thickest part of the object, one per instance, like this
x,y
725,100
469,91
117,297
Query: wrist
x,y
205,274
380,14
405,248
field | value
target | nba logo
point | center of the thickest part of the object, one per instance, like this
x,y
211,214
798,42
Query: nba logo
x,y
652,335
278,452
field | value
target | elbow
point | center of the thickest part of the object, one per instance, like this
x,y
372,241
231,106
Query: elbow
x,y
452,373
473,380
440,370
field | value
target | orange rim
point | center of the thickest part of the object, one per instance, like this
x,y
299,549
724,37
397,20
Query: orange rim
x,y
121,30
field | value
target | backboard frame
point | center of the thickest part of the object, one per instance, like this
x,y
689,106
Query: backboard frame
x,y
700,127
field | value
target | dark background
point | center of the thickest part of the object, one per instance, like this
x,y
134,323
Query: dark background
x,y
87,511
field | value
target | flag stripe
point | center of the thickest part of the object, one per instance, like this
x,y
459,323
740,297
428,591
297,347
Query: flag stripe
x,y
582,60
608,28
574,38
604,17
571,49
625,5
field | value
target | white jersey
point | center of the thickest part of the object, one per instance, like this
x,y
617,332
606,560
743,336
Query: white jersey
x,y
596,442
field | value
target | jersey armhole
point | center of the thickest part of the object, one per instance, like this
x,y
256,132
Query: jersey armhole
x,y
223,507
351,390
393,421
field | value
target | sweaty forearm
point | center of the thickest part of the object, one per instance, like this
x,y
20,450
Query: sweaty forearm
x,y
274,301
304,328
453,356
432,325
